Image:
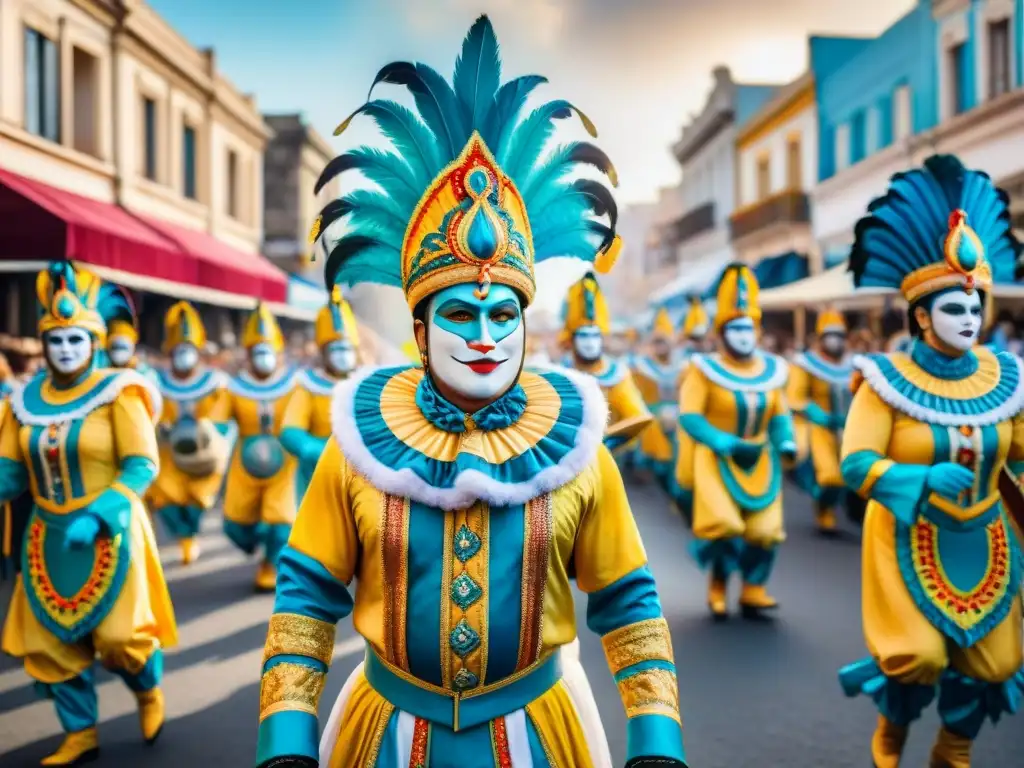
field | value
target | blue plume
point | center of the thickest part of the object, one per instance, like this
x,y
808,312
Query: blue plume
x,y
906,228
508,103
413,140
115,303
477,73
526,143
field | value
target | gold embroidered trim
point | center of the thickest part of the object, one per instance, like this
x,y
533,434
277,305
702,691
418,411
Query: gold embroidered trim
x,y
642,641
395,563
651,692
295,635
447,575
290,687
386,711
536,545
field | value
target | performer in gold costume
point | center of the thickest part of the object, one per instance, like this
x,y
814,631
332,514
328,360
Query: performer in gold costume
x,y
194,452
819,394
928,437
260,496
122,340
586,325
307,420
461,494
733,408
82,438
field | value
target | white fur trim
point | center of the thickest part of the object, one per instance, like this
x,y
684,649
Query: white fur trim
x,y
471,485
178,391
315,387
777,381
277,386
832,374
104,394
880,384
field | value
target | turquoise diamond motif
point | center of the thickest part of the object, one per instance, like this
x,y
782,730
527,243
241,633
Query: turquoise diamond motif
x,y
465,591
464,680
463,638
467,544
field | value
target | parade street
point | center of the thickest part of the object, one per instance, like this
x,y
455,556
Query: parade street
x,y
752,694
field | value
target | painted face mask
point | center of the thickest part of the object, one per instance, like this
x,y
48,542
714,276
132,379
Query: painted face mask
x,y
834,344
957,319
264,359
121,349
340,357
476,346
588,343
184,358
740,337
68,350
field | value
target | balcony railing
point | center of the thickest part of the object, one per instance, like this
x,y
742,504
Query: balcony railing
x,y
789,207
692,223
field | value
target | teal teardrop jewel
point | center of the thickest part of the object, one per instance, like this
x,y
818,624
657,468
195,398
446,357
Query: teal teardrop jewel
x,y
482,237
967,252
66,308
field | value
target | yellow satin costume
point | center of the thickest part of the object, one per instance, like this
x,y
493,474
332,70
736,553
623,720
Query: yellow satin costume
x,y
941,566
658,381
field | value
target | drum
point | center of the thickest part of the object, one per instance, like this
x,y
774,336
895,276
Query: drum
x,y
195,446
262,456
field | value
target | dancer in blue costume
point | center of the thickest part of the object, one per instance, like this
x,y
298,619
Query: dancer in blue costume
x,y
927,439
460,495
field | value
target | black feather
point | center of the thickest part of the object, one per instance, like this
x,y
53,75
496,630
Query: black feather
x,y
344,249
396,73
587,154
332,212
602,202
336,167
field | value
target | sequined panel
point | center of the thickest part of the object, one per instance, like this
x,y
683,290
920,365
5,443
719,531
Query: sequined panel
x,y
651,692
499,743
395,566
638,642
288,687
467,597
420,744
291,634
536,551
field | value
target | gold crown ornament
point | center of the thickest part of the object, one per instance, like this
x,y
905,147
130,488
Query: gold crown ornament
x,y
830,321
123,328
963,264
71,297
336,321
738,296
182,325
262,328
585,305
663,328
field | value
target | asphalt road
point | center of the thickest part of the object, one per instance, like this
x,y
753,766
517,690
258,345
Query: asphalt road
x,y
753,695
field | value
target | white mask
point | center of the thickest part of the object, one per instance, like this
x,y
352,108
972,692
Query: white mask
x,y
740,337
120,349
957,319
476,346
833,344
68,350
588,343
184,358
264,359
340,357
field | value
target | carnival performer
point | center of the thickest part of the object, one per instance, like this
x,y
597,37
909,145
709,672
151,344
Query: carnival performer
x,y
657,377
819,395
927,439
122,340
260,493
306,424
586,325
461,493
194,451
82,438
733,408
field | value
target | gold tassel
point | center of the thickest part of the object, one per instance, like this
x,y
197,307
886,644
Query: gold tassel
x,y
606,259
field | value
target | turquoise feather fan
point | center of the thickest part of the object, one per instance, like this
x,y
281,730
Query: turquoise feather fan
x,y
567,217
905,229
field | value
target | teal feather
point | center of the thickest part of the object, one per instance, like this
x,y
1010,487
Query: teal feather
x,y
414,142
508,103
555,167
477,73
114,302
527,142
390,173
579,242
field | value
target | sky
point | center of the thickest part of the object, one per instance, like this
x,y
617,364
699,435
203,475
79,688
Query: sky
x,y
637,68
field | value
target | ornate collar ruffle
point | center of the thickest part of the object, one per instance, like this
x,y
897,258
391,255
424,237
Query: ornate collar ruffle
x,y
822,368
280,384
659,373
197,386
768,372
37,403
608,372
318,381
991,394
941,366
538,439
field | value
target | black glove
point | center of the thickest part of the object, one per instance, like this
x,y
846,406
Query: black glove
x,y
655,762
290,761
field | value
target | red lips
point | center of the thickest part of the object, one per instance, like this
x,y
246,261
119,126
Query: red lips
x,y
483,367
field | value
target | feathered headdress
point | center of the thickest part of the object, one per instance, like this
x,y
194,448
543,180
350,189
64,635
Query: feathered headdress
x,y
467,198
336,321
585,305
696,324
262,328
70,297
738,296
938,227
182,325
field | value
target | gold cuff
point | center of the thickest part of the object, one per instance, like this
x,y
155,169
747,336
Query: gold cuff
x,y
651,692
290,687
642,641
294,635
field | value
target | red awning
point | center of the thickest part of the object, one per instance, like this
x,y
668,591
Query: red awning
x,y
223,267
43,222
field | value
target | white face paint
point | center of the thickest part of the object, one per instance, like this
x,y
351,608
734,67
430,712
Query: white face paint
x,y
340,357
957,319
588,343
264,359
740,337
68,350
833,343
476,346
121,349
184,359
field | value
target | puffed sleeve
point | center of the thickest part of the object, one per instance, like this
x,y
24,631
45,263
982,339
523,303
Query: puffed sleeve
x,y
624,609
629,413
13,474
295,426
312,596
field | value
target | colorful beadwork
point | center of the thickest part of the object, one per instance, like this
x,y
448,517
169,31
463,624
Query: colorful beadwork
x,y
499,736
420,744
